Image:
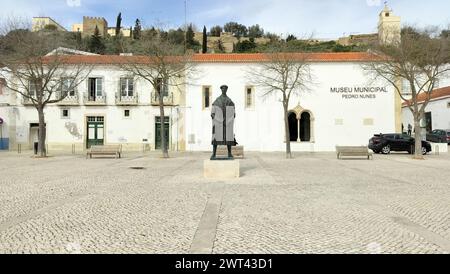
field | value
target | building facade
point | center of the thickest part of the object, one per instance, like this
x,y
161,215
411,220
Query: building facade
x,y
437,112
341,107
108,107
40,23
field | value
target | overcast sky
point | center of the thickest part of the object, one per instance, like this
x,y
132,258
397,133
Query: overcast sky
x,y
323,18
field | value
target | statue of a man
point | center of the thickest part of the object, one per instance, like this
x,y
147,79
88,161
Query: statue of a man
x,y
223,114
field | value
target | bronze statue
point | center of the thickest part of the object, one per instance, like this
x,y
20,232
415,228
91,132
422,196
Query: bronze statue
x,y
223,114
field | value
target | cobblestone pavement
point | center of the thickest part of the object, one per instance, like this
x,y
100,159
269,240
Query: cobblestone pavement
x,y
312,204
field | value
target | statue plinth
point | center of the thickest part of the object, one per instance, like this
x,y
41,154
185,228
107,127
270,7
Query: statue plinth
x,y
221,170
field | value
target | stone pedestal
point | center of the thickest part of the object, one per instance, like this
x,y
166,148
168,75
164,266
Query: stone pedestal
x,y
221,170
439,149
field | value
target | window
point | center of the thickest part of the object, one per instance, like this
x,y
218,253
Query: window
x,y
249,97
67,86
126,113
65,113
33,87
126,87
206,97
164,87
96,119
406,87
2,85
95,87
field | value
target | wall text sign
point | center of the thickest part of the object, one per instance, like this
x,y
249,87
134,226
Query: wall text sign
x,y
358,92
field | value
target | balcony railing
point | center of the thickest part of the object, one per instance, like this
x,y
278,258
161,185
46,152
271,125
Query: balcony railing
x,y
122,100
69,100
167,100
94,100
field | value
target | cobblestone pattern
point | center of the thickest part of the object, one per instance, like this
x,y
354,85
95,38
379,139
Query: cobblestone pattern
x,y
322,205
312,204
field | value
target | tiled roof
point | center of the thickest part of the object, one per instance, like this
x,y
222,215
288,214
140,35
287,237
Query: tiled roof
x,y
435,95
226,58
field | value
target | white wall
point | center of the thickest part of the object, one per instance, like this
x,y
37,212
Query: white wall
x,y
118,129
262,129
440,114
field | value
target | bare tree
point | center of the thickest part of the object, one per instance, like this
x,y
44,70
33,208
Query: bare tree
x,y
163,64
283,73
419,57
39,79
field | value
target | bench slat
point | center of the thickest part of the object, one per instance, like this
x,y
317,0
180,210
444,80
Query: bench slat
x,y
104,150
362,151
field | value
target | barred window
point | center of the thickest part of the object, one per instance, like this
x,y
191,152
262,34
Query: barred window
x,y
33,87
249,97
206,96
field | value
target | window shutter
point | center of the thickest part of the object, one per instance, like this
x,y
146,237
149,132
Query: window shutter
x,y
99,87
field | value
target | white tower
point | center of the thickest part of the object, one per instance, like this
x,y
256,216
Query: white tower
x,y
389,27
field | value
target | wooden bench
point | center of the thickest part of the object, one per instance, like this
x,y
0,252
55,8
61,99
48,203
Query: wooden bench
x,y
237,151
362,151
105,150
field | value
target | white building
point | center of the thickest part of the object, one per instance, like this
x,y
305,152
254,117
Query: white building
x,y
109,107
437,112
343,106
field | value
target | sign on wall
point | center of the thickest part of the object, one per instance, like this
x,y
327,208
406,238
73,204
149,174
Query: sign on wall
x,y
358,92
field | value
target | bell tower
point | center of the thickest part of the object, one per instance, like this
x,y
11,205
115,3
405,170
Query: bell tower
x,y
389,27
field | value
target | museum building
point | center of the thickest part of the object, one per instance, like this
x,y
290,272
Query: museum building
x,y
342,106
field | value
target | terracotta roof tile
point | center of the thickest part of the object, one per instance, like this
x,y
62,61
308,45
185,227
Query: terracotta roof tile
x,y
436,94
224,58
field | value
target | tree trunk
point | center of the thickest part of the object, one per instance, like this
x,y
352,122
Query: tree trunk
x,y
42,133
287,133
161,113
418,138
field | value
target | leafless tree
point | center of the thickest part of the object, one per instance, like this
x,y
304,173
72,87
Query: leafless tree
x,y
283,73
164,65
419,57
39,79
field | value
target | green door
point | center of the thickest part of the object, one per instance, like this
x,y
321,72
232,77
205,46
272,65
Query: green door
x,y
95,131
158,131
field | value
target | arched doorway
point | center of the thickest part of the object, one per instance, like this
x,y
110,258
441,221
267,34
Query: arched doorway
x,y
293,127
305,127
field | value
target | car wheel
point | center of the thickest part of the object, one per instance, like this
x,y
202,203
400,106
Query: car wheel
x,y
424,151
386,149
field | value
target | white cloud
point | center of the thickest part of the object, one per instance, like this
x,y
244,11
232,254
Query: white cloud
x,y
372,3
73,3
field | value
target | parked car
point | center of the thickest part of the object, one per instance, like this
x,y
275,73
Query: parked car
x,y
439,136
385,143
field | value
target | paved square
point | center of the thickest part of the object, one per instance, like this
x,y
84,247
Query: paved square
x,y
312,204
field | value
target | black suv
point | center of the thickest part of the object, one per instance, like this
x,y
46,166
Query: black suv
x,y
385,143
